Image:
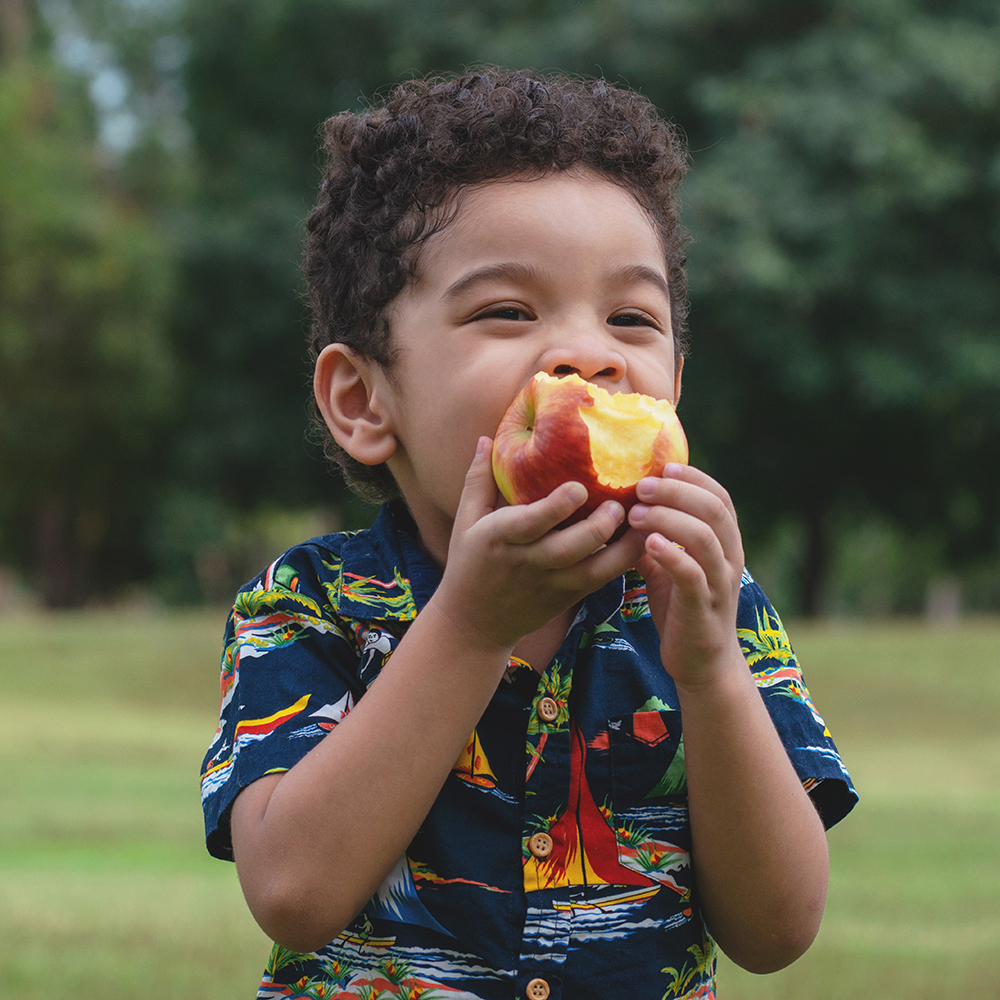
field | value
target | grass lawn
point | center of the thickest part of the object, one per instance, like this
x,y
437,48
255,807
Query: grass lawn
x,y
106,890
914,905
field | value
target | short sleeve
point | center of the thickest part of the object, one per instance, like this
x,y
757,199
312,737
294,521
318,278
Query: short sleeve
x,y
289,674
803,732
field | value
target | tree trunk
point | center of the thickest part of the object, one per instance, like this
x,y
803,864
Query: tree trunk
x,y
15,30
56,556
815,559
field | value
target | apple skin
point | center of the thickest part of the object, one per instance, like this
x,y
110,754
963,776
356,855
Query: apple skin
x,y
543,441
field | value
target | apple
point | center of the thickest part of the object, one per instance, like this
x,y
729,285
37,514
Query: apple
x,y
563,429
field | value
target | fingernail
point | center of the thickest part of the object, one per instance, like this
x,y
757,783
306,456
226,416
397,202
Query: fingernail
x,y
481,446
646,489
672,469
616,510
638,513
656,543
577,492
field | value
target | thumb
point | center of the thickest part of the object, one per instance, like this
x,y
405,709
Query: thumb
x,y
480,493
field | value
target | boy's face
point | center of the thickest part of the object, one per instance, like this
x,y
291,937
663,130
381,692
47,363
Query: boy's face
x,y
560,274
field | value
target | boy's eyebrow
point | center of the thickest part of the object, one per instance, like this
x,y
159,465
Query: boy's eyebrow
x,y
514,271
521,273
635,274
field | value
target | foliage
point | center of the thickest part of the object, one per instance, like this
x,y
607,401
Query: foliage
x,y
86,375
844,198
845,274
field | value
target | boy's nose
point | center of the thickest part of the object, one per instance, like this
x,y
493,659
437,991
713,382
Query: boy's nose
x,y
565,369
589,361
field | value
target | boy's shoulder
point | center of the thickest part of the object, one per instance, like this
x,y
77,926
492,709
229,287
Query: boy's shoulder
x,y
355,574
300,579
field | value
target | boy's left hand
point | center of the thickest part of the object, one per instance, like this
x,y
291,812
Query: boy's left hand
x,y
759,849
692,564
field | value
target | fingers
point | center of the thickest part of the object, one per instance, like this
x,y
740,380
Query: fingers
x,y
684,483
582,557
569,545
690,525
527,523
523,523
582,552
614,558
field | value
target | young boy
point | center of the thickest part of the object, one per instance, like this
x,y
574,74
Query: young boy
x,y
450,761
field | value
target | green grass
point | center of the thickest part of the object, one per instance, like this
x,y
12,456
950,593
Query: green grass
x,y
914,905
106,890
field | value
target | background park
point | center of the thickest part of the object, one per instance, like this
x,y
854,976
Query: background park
x,y
157,160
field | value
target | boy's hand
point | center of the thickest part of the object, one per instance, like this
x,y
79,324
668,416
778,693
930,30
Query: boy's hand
x,y
759,854
509,573
692,564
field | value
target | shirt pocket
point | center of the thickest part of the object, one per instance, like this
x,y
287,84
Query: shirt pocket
x,y
649,797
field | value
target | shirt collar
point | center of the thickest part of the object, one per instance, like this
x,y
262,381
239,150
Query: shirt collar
x,y
384,574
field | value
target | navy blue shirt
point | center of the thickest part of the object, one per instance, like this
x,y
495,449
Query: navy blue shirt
x,y
556,859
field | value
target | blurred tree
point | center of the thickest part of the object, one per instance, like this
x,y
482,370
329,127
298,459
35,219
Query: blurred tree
x,y
845,275
259,81
843,199
85,371
844,172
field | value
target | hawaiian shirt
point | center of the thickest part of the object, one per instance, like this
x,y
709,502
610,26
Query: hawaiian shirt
x,y
555,862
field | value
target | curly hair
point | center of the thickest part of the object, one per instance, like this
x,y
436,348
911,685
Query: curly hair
x,y
392,169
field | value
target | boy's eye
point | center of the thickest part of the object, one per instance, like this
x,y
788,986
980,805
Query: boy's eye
x,y
631,319
505,312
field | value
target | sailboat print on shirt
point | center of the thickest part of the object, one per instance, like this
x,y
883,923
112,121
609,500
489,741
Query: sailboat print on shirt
x,y
397,899
473,766
584,846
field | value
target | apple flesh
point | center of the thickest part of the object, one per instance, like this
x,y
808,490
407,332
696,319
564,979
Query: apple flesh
x,y
566,429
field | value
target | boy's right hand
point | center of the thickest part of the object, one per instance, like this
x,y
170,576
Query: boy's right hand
x,y
509,573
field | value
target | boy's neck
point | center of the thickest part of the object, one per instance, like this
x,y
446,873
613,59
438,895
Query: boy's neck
x,y
433,534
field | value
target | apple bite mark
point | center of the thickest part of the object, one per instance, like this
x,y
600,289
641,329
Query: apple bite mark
x,y
566,429
626,435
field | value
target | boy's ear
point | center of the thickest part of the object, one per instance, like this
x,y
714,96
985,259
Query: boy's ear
x,y
349,392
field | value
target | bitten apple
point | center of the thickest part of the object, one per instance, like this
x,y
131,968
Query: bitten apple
x,y
566,429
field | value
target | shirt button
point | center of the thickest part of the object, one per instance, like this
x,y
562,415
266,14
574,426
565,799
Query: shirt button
x,y
538,989
549,711
540,845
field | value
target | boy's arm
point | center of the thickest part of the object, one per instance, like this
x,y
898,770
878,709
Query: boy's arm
x,y
312,845
758,845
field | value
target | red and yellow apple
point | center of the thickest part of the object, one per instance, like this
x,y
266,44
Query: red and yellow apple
x,y
566,429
